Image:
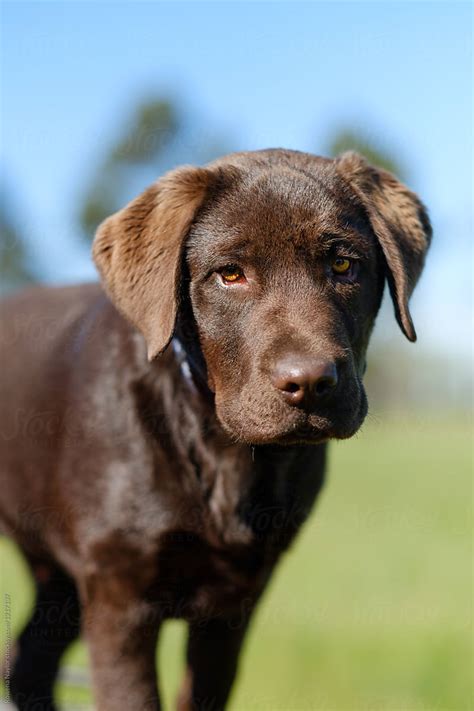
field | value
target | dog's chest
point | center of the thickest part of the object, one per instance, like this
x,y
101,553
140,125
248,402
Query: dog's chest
x,y
196,576
209,559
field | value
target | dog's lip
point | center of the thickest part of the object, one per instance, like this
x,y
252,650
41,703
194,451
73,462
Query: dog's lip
x,y
305,435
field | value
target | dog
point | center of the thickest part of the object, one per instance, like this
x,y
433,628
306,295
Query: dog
x,y
164,439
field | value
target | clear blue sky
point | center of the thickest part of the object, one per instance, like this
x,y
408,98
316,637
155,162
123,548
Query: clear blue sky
x,y
282,74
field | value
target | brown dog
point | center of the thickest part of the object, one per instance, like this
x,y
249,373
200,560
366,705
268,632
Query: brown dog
x,y
147,488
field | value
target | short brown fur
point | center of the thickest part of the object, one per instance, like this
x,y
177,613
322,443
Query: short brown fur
x,y
147,488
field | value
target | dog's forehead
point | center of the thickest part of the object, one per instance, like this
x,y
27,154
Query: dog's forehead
x,y
268,209
282,197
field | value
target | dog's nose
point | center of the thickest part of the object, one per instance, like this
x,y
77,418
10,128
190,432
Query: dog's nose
x,y
304,381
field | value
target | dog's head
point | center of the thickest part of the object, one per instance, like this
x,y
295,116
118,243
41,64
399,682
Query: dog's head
x,y
273,263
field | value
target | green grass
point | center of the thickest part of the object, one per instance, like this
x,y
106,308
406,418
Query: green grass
x,y
372,608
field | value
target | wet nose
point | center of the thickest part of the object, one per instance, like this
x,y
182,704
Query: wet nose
x,y
304,381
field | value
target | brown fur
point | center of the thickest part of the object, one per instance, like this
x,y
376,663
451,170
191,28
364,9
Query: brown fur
x,y
142,489
138,252
400,222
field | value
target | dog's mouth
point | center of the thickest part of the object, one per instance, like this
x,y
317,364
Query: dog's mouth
x,y
305,435
319,428
308,432
281,425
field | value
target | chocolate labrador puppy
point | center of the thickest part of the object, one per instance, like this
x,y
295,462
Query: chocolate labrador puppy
x,y
164,441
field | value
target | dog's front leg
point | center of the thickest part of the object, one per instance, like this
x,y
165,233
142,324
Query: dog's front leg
x,y
212,658
121,631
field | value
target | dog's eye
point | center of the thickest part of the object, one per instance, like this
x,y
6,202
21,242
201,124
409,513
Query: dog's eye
x,y
341,265
232,274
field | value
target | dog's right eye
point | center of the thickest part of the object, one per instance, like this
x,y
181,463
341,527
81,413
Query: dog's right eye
x,y
232,274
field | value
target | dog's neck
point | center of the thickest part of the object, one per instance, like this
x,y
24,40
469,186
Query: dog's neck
x,y
192,369
242,488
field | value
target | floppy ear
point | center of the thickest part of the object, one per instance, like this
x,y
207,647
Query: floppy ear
x,y
138,252
400,223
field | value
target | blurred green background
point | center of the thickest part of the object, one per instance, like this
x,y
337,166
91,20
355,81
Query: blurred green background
x,y
372,608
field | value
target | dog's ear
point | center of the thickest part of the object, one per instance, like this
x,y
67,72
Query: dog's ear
x,y
138,252
401,224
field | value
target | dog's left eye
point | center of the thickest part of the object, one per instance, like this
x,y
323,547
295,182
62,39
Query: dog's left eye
x,y
232,274
341,266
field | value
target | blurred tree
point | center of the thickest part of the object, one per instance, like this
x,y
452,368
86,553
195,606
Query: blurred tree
x,y
147,133
348,139
158,135
14,261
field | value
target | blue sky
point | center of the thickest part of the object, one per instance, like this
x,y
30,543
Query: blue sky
x,y
269,74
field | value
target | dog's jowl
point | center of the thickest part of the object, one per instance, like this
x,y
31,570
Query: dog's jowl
x,y
164,434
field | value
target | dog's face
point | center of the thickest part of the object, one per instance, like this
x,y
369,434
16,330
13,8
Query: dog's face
x,y
285,257
286,279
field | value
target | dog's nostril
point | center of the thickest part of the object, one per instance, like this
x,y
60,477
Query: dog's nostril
x,y
324,385
301,381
